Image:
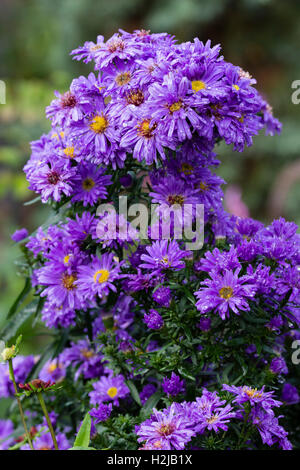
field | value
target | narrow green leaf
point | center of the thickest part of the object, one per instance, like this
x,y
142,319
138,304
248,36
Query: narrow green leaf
x,y
83,436
12,326
134,392
21,297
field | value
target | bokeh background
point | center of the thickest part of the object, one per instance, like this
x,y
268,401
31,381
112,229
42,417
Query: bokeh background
x,y
36,36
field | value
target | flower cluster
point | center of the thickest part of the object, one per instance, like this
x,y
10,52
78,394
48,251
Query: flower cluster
x,y
141,324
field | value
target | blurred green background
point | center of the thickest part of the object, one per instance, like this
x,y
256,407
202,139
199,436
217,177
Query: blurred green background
x,y
36,36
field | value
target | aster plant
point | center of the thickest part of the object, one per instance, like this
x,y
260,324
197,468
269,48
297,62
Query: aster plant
x,y
162,346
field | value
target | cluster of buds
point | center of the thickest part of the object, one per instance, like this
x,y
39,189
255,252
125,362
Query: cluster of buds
x,y
36,386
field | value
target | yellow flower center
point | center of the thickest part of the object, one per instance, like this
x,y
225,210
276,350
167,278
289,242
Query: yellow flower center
x,y
176,199
236,87
226,292
166,429
52,367
175,106
112,392
187,169
67,259
101,276
99,124
252,392
69,152
123,78
69,280
87,353
88,184
212,420
145,130
198,85
203,186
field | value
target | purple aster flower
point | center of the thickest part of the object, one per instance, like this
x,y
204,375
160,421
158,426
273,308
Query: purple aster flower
x,y
109,388
290,394
153,320
97,277
80,228
54,370
117,47
270,430
91,184
19,235
253,395
147,391
225,293
165,430
164,254
102,413
204,324
218,262
54,316
83,356
123,311
6,429
44,442
162,295
278,366
89,50
173,386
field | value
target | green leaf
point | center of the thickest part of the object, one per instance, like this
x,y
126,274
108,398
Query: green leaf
x,y
82,448
134,392
83,436
12,326
21,297
151,402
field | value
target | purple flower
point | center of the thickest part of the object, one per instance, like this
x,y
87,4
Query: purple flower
x,y
6,429
204,324
162,295
165,430
109,389
54,370
225,293
278,366
19,235
174,385
153,320
83,356
102,413
290,394
97,277
44,442
22,366
91,184
147,391
253,396
164,254
270,430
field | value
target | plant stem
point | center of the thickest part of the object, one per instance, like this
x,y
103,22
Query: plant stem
x,y
12,377
43,405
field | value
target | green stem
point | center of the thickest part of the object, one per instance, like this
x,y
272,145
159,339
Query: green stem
x,y
43,405
12,377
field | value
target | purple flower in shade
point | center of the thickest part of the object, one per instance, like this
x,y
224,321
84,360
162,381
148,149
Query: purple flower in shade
x,y
165,430
253,396
218,262
153,320
83,356
91,184
269,429
162,295
54,316
54,370
248,227
147,391
102,413
142,282
109,388
19,235
290,394
173,386
113,230
6,429
275,323
164,254
44,442
52,181
126,180
97,277
22,366
80,228
123,311
278,366
204,324
225,293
